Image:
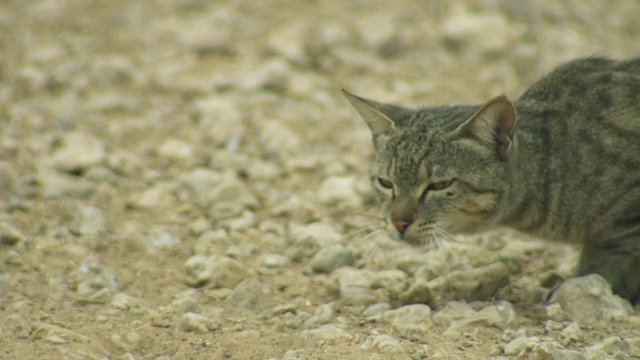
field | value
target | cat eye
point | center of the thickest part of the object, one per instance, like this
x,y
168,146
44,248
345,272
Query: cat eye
x,y
385,183
440,185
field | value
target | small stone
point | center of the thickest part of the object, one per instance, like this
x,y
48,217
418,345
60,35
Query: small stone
x,y
452,311
520,344
470,285
350,277
468,32
551,351
611,348
296,355
555,312
275,260
320,234
589,298
89,220
175,149
77,152
327,332
411,322
331,258
385,344
216,270
358,296
418,293
278,139
376,310
9,235
10,187
324,314
164,240
571,333
341,191
250,294
92,277
198,323
499,316
126,302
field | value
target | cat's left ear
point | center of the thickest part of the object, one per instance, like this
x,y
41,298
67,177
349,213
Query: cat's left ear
x,y
379,117
493,124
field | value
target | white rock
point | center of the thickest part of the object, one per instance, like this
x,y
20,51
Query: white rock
x,y
89,220
221,117
452,311
175,149
327,332
411,322
340,190
589,298
275,260
475,284
250,294
93,277
351,277
78,151
278,139
476,33
216,270
611,348
198,323
320,234
126,302
385,344
520,344
331,258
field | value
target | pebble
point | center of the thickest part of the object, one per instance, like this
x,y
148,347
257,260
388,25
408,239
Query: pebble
x,y
410,322
92,277
589,298
275,260
250,294
418,293
198,323
78,151
221,117
470,285
216,270
358,296
520,344
278,139
88,219
376,310
317,233
10,187
126,302
611,348
551,351
9,235
499,316
385,344
325,333
350,277
331,258
175,149
340,191
466,32
296,355
452,311
324,314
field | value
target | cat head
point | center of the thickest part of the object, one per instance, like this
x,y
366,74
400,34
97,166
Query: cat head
x,y
430,175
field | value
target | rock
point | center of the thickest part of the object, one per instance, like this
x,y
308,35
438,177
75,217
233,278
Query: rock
x,y
385,344
340,191
477,33
88,219
250,294
520,345
57,334
571,333
9,235
126,302
410,322
324,314
198,323
159,195
164,240
78,151
376,310
92,278
129,342
331,258
470,285
320,234
358,296
393,281
216,270
349,277
10,188
418,293
325,333
273,75
221,117
611,348
499,316
551,351
275,260
175,149
452,311
278,139
589,298
296,355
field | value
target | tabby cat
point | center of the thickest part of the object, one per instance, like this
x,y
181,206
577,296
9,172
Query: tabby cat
x,y
562,162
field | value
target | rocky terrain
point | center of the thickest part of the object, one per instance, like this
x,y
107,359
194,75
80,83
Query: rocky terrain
x,y
181,179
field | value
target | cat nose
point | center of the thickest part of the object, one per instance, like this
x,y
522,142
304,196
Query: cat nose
x,y
401,224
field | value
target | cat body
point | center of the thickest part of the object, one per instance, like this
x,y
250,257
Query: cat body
x,y
562,163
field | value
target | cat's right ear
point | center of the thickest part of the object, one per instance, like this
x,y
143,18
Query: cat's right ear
x,y
380,117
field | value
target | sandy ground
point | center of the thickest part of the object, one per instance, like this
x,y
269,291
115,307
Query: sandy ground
x,y
144,141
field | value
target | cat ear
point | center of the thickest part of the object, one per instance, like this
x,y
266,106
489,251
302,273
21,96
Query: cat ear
x,y
379,116
493,124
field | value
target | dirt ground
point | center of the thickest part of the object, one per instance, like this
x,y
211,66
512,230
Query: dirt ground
x,y
119,119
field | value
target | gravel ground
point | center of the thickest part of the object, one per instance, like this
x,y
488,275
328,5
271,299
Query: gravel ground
x,y
181,179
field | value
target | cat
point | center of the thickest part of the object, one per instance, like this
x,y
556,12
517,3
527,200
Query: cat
x,y
562,163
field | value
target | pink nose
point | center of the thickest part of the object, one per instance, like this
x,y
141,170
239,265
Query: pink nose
x,y
401,225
